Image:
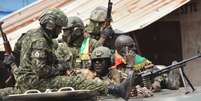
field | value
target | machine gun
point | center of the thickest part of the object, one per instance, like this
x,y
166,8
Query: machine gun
x,y
156,72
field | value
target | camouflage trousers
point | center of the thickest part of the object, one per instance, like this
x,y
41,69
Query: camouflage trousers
x,y
77,82
8,91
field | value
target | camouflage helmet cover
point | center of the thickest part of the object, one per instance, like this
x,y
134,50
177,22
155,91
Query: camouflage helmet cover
x,y
124,40
99,14
54,16
101,52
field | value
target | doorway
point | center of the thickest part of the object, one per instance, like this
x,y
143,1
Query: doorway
x,y
160,42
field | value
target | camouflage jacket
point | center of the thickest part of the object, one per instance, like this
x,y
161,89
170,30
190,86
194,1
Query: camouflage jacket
x,y
69,54
37,61
88,45
113,77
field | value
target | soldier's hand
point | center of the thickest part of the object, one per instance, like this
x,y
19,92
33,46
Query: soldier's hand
x,y
86,34
143,92
72,72
9,60
156,87
133,92
130,58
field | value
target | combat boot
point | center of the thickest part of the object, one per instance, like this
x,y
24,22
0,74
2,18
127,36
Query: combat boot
x,y
123,89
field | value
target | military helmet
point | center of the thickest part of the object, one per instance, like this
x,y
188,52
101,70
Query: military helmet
x,y
54,17
99,14
124,40
101,52
74,21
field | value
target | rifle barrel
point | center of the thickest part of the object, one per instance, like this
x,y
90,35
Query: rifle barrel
x,y
168,68
109,10
173,66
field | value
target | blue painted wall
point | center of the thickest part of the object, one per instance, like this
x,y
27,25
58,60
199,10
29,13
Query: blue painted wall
x,y
9,6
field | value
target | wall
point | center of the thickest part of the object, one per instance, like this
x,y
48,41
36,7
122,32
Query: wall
x,y
190,23
191,40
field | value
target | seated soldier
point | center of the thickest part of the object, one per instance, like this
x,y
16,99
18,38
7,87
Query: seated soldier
x,y
95,34
125,58
100,69
40,69
125,54
70,44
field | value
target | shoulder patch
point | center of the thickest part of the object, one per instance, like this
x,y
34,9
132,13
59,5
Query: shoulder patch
x,y
38,54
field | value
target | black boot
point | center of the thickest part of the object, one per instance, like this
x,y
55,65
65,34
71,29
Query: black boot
x,y
122,89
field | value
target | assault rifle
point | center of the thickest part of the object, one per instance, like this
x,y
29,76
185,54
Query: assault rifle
x,y
109,16
156,72
6,43
8,51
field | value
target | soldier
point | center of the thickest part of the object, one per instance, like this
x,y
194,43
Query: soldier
x,y
72,38
96,34
96,27
100,69
126,57
125,54
39,68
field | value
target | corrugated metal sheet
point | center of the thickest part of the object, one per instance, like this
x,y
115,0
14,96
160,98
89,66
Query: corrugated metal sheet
x,y
128,15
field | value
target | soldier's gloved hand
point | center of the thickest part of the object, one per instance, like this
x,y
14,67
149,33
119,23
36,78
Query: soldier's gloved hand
x,y
9,60
143,92
107,33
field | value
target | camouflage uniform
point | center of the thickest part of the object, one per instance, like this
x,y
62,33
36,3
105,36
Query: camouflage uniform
x,y
72,37
97,28
113,77
68,54
39,67
103,73
94,32
8,91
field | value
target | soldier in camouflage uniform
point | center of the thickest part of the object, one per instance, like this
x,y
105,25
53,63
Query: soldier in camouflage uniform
x,y
95,34
96,27
72,38
40,69
100,69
